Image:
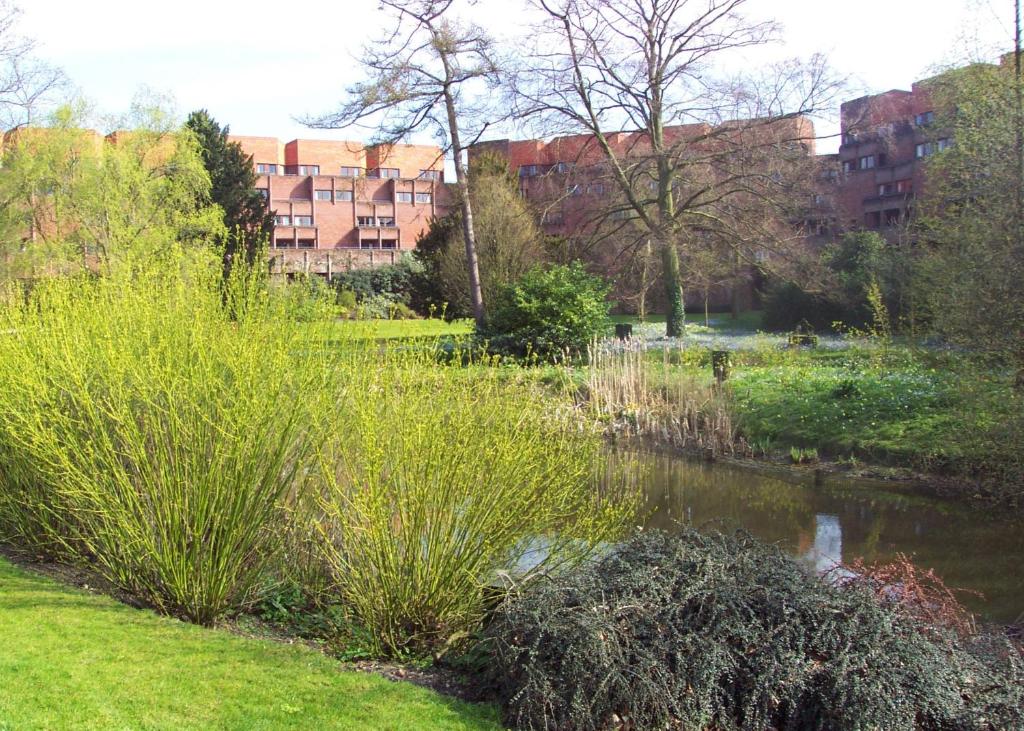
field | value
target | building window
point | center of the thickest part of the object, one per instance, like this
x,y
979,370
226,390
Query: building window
x,y
283,220
885,189
424,198
574,190
892,217
527,171
904,186
350,172
385,220
563,167
343,195
264,193
944,144
324,195
388,244
382,173
924,118
284,243
849,138
867,162
553,218
307,244
309,169
303,220
366,221
430,174
849,166
403,197
596,189
266,168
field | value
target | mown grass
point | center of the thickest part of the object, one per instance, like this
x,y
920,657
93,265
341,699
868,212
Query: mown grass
x,y
74,660
724,322
402,329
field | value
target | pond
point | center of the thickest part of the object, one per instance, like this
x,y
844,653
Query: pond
x,y
842,519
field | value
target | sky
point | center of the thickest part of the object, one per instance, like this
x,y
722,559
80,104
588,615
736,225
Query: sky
x,y
258,65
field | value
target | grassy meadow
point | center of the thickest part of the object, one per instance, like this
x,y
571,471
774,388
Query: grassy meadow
x,y
72,659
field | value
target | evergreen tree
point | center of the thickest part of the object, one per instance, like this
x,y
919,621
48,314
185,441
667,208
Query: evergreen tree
x,y
247,217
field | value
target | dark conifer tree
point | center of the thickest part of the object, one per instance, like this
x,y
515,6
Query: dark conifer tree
x,y
248,219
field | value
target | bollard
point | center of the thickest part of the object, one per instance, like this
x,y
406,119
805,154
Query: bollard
x,y
623,330
720,364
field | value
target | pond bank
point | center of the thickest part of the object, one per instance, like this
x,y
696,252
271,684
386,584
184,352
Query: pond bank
x,y
835,518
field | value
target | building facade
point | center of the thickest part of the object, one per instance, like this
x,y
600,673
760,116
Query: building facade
x,y
341,205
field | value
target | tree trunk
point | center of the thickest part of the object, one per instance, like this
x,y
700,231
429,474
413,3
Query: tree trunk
x,y
462,182
675,311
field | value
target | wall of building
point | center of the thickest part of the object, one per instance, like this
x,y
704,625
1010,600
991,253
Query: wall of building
x,y
345,202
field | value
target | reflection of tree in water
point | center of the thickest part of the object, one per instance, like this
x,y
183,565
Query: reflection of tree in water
x,y
683,491
967,548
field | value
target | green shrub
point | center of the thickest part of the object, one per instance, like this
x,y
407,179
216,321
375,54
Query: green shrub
x,y
711,631
155,433
786,306
548,312
438,479
393,281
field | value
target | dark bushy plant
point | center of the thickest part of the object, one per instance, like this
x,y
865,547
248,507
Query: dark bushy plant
x,y
548,312
787,306
395,283
710,631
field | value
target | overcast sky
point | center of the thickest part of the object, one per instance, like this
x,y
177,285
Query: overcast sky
x,y
255,65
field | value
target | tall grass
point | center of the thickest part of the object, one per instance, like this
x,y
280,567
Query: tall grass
x,y
191,446
146,428
655,400
439,479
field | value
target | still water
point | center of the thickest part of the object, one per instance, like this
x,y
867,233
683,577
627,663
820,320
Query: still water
x,y
970,548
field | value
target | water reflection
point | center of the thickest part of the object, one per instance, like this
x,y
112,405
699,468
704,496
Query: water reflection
x,y
842,520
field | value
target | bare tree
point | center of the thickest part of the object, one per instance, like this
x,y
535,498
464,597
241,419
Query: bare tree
x,y
698,148
26,83
431,72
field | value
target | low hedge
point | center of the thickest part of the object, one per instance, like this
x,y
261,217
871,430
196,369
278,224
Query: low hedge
x,y
713,631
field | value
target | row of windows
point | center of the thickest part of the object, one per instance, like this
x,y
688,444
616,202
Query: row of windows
x,y
375,222
311,244
924,118
865,162
269,168
930,148
293,220
895,188
346,196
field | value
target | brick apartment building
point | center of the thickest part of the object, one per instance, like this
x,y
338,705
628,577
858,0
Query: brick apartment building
x,y
885,139
341,205
569,183
570,180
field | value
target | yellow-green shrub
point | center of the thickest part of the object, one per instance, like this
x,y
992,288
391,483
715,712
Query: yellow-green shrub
x,y
156,433
439,478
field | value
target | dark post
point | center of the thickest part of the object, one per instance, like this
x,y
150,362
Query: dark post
x,y
623,330
720,364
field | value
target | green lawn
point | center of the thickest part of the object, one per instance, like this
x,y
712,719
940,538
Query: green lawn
x,y
720,321
74,660
393,329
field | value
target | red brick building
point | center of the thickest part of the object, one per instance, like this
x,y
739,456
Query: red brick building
x,y
341,205
570,184
886,139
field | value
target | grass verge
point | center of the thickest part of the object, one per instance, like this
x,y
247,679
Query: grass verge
x,y
74,660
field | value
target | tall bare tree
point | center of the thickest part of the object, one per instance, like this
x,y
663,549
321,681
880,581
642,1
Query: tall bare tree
x,y
431,72
699,146
26,82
